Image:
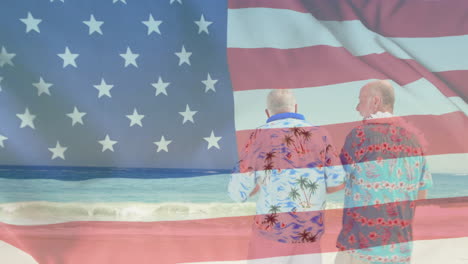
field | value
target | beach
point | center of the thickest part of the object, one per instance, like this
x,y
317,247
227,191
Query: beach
x,y
439,234
175,219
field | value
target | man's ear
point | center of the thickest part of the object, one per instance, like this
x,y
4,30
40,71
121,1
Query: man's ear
x,y
267,113
376,103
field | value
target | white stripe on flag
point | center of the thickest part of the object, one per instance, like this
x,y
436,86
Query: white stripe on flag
x,y
460,103
448,163
336,103
287,29
11,254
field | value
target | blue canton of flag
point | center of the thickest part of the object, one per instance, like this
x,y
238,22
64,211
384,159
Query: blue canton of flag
x,y
115,83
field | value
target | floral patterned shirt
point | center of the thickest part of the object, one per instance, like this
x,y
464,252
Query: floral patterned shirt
x,y
293,163
386,167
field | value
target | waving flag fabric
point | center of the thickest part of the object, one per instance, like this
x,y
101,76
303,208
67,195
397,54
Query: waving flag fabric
x,y
121,119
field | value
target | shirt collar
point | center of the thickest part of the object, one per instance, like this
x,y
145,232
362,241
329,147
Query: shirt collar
x,y
380,115
284,116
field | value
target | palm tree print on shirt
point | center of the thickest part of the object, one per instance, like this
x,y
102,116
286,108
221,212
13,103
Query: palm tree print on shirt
x,y
307,189
306,236
271,219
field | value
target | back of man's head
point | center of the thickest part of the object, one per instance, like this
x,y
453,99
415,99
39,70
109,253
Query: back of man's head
x,y
384,90
281,101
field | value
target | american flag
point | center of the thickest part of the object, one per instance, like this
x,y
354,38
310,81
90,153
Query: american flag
x,y
182,83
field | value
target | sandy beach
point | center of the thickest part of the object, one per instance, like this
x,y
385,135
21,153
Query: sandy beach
x,y
440,236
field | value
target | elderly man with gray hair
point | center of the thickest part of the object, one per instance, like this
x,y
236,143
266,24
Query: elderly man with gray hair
x,y
387,171
290,165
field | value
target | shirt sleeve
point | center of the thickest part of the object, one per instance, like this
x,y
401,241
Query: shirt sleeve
x,y
425,181
243,178
334,172
347,155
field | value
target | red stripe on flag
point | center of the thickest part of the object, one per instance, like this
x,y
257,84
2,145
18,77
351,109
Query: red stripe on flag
x,y
196,240
269,68
436,129
456,81
394,18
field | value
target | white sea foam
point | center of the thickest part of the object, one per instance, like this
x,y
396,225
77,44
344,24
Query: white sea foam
x,y
30,213
52,212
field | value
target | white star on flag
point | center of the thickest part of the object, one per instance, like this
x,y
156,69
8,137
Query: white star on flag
x,y
162,144
27,119
184,56
42,87
203,25
212,140
94,25
178,1
68,58
135,118
2,138
31,23
58,151
76,116
60,1
5,57
104,88
160,86
209,84
107,144
153,25
188,114
123,1
130,57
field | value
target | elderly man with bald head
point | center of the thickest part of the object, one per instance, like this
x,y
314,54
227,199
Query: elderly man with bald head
x,y
375,97
386,171
290,165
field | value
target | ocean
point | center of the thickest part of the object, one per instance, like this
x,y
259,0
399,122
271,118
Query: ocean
x,y
40,195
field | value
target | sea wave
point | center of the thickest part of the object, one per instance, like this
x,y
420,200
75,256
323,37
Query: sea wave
x,y
40,212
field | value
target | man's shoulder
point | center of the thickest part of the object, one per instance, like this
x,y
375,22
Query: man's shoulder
x,y
359,128
395,133
386,128
366,128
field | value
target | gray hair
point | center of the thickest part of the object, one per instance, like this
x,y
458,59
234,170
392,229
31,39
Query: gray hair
x,y
281,101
